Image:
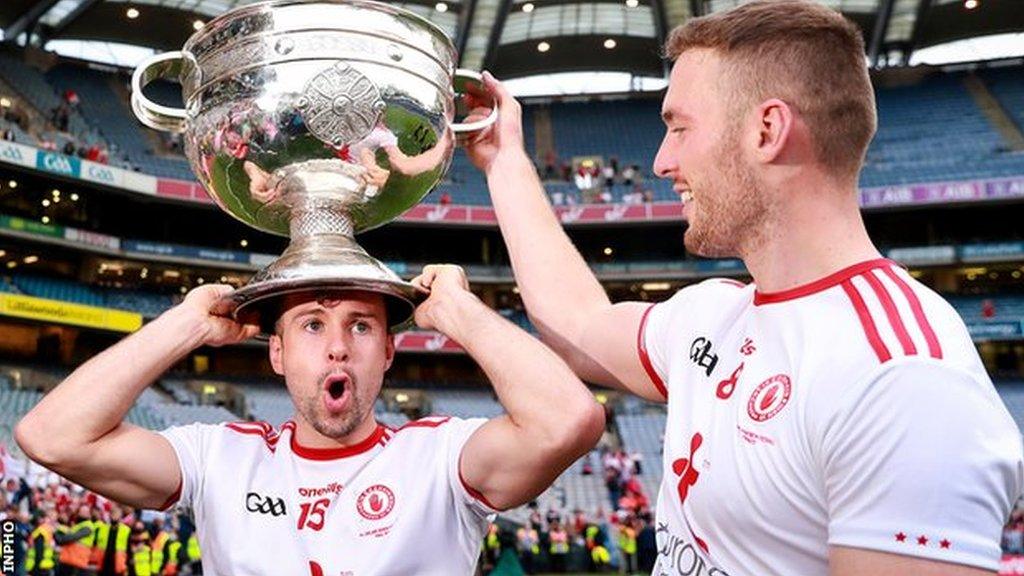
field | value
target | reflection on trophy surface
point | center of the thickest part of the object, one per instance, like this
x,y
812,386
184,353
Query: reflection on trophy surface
x,y
316,120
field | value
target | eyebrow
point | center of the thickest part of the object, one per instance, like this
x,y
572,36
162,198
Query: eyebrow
x,y
319,310
667,116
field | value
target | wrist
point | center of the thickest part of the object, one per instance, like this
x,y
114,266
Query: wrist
x,y
455,313
508,160
186,322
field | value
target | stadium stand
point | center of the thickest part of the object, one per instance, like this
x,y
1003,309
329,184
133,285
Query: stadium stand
x,y
177,414
1012,393
642,433
1007,85
34,88
465,403
103,106
935,132
929,132
998,308
179,391
148,304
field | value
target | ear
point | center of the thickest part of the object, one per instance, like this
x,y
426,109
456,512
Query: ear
x,y
775,121
276,350
389,351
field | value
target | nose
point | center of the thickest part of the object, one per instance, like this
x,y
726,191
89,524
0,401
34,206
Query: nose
x,y
338,348
665,160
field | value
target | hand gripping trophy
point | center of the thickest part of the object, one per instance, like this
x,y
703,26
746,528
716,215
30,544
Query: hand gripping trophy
x,y
315,119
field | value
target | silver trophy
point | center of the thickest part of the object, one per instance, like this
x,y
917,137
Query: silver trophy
x,y
315,120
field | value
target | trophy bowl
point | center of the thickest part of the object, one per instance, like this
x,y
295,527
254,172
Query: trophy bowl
x,y
317,120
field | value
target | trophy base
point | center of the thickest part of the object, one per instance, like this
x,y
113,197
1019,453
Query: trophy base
x,y
322,263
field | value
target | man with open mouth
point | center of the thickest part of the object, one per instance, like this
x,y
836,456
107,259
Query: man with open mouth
x,y
332,491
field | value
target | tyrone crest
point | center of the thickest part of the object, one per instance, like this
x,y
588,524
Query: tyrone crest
x,y
769,398
375,502
340,105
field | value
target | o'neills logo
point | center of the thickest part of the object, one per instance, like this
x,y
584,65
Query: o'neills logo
x,y
770,397
375,502
332,488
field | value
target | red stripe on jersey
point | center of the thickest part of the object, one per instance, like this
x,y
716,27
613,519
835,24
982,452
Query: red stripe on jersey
x,y
473,491
825,283
645,359
246,429
271,442
890,311
865,320
173,498
934,349
732,282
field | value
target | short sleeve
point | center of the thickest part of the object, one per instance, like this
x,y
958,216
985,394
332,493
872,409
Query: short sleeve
x,y
474,502
190,443
922,459
653,341
650,347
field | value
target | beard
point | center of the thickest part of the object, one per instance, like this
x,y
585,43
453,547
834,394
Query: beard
x,y
729,209
335,427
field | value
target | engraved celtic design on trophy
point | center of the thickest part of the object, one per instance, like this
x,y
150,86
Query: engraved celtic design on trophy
x,y
316,120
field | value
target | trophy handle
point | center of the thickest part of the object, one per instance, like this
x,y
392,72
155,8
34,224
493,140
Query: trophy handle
x,y
162,66
471,80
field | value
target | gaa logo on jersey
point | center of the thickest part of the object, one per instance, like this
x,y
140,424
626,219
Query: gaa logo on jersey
x,y
375,502
769,398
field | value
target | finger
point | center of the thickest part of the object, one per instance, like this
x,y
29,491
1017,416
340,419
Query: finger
x,y
250,331
496,89
219,289
476,115
422,282
429,275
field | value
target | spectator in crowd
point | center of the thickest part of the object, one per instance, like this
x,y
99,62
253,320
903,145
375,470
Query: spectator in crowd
x,y
41,557
584,178
1013,537
559,550
627,544
629,175
608,173
60,117
528,544
634,196
492,547
988,308
646,545
550,161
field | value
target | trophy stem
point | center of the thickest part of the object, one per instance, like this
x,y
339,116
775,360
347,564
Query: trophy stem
x,y
313,220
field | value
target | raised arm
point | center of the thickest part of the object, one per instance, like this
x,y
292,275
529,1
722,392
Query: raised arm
x,y
552,419
78,429
564,300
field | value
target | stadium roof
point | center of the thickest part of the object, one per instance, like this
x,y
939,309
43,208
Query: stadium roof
x,y
516,38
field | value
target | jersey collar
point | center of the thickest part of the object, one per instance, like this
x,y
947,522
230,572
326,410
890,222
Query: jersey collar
x,y
365,445
821,284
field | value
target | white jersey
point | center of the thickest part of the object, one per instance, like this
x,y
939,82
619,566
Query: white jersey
x,y
393,504
853,411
